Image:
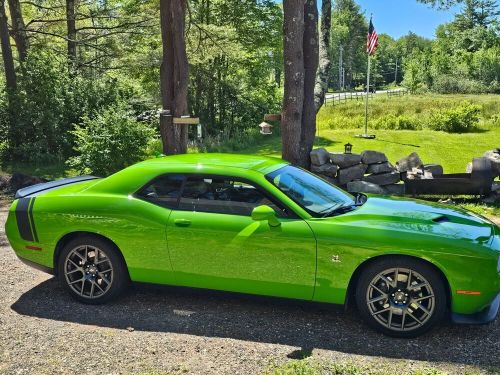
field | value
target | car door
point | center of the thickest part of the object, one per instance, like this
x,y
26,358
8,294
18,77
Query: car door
x,y
214,243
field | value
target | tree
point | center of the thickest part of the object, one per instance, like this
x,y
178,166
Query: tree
x,y
476,13
300,61
349,30
8,60
324,60
71,31
173,75
19,29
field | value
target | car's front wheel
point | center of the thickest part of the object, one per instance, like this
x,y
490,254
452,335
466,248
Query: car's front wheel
x,y
401,297
92,270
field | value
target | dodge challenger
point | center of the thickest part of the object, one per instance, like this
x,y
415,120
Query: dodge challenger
x,y
258,225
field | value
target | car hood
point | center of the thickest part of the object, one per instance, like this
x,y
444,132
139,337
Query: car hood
x,y
424,217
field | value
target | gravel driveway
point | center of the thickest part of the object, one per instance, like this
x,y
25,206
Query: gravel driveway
x,y
172,330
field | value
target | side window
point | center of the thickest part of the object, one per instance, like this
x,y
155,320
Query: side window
x,y
223,196
164,190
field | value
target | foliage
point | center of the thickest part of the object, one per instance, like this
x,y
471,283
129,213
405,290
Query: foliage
x,y
460,119
465,56
349,29
451,84
47,102
235,52
109,142
398,122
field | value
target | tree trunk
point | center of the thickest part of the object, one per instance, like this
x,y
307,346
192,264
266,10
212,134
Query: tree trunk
x,y
71,31
8,60
174,75
181,72
293,100
324,60
311,54
19,29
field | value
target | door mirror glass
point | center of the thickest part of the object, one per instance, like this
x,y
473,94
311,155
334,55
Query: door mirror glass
x,y
264,212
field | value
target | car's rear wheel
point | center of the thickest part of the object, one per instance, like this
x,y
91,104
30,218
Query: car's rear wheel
x,y
92,270
401,297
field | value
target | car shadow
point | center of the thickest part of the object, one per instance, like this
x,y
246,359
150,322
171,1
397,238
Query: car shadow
x,y
267,320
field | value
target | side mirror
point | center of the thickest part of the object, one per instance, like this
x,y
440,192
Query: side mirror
x,y
264,212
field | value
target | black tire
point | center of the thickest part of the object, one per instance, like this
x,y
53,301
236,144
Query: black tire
x,y
387,306
89,282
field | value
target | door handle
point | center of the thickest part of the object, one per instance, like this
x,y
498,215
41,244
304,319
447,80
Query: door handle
x,y
182,222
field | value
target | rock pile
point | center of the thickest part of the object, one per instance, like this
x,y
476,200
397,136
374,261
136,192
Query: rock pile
x,y
494,157
368,172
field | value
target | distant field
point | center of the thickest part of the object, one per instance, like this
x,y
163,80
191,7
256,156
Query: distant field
x,y
414,108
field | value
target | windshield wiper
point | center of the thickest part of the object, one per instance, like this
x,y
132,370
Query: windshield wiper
x,y
342,210
360,200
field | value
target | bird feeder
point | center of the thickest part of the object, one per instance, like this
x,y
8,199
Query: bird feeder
x,y
266,128
348,148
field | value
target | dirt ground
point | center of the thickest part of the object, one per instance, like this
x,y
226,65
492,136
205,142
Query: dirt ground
x,y
43,331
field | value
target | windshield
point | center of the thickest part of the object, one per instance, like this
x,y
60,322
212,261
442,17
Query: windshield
x,y
315,195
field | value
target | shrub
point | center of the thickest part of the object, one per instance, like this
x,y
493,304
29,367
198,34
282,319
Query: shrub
x,y
397,122
48,101
460,119
451,84
109,142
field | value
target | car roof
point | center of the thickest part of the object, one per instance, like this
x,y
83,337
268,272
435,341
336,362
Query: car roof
x,y
250,162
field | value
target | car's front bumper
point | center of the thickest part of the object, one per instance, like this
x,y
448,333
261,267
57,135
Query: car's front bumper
x,y
483,317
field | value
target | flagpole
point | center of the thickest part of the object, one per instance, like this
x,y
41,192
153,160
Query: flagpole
x,y
370,47
367,94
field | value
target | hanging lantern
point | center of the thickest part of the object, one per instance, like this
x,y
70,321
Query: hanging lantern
x,y
266,128
347,148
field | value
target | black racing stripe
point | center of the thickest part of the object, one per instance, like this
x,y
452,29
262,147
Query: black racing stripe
x,y
32,220
23,220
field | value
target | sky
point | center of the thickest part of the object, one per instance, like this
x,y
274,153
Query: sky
x,y
398,17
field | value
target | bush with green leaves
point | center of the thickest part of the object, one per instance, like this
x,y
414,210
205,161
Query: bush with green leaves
x,y
398,122
460,119
49,100
109,142
452,84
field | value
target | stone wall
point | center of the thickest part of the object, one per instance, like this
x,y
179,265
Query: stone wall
x,y
368,172
371,171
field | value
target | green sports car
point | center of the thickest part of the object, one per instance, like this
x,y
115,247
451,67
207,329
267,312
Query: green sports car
x,y
258,225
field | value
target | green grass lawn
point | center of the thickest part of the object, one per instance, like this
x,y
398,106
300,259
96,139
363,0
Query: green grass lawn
x,y
453,151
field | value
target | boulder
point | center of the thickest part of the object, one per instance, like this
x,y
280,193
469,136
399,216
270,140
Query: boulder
x,y
372,157
365,187
345,160
409,162
383,179
327,169
355,172
435,169
395,189
319,156
380,168
494,157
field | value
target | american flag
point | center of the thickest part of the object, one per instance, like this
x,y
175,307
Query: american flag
x,y
372,39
